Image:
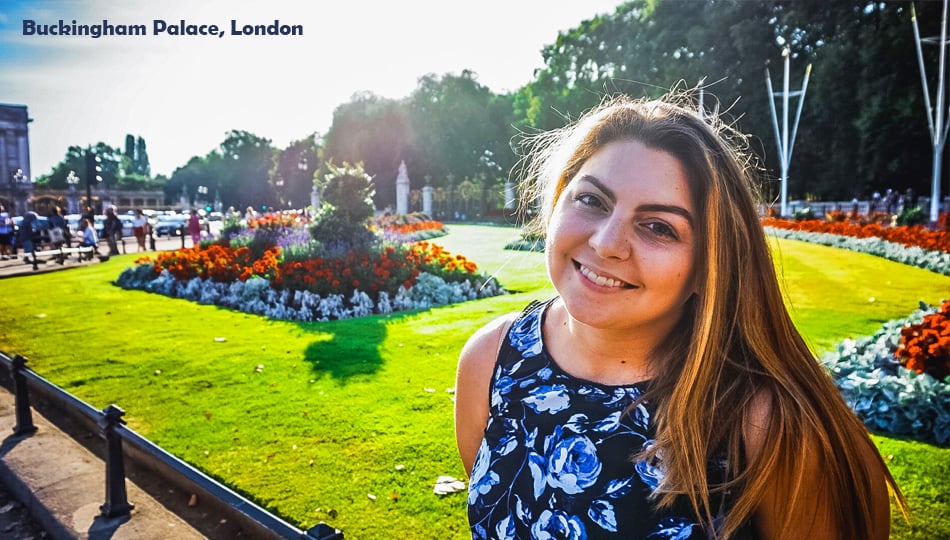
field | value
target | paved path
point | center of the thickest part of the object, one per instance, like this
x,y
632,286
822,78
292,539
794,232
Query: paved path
x,y
16,523
19,267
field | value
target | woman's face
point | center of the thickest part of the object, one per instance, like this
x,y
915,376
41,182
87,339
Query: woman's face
x,y
620,242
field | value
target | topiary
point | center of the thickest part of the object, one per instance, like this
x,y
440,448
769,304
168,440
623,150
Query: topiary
x,y
343,218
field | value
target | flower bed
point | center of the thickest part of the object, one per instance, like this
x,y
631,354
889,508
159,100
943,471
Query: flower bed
x,y
407,227
911,245
908,236
274,268
886,395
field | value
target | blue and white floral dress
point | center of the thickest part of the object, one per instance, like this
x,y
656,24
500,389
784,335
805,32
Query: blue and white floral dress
x,y
555,460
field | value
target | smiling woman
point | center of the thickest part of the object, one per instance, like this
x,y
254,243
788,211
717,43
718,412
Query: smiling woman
x,y
637,402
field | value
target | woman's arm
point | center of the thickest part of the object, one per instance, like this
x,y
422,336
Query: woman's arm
x,y
476,363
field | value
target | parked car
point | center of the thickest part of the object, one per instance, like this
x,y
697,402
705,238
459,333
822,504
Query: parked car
x,y
171,225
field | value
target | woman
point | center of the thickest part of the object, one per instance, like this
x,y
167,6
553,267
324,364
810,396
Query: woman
x,y
140,228
194,228
665,393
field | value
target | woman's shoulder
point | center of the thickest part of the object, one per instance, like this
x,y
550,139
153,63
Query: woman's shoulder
x,y
484,344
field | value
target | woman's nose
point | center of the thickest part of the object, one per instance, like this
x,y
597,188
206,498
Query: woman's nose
x,y
611,239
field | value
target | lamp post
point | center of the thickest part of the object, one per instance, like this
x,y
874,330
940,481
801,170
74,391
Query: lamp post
x,y
785,145
935,115
18,179
72,180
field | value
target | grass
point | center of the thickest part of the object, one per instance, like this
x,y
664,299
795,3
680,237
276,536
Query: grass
x,y
311,419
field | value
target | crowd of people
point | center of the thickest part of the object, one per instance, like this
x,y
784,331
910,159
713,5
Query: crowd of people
x,y
27,234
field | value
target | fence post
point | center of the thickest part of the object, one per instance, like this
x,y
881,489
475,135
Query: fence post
x,y
24,416
117,503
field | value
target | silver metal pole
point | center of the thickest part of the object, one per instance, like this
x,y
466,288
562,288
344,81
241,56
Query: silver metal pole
x,y
798,114
935,116
786,53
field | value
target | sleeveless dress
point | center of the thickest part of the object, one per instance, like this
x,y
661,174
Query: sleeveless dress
x,y
555,461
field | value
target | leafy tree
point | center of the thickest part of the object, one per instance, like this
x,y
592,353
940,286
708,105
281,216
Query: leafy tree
x,y
374,131
293,170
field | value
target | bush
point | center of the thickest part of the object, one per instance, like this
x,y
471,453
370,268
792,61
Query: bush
x,y
912,216
884,394
803,214
925,346
347,208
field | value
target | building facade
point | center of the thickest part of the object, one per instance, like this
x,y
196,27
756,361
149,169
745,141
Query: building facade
x,y
19,194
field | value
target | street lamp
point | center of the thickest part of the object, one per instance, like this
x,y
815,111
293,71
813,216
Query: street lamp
x,y
785,145
935,115
18,177
72,180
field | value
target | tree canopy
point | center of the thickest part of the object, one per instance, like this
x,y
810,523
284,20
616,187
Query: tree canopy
x,y
863,126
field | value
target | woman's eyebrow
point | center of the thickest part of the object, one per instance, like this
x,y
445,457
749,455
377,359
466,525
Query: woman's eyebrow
x,y
599,185
668,208
652,207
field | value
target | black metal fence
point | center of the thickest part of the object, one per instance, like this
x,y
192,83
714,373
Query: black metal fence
x,y
122,443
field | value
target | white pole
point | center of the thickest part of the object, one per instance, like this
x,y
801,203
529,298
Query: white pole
x,y
935,116
785,53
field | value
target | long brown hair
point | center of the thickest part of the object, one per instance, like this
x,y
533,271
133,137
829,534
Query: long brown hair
x,y
736,340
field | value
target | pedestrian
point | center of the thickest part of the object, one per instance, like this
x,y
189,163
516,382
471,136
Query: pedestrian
x,y
6,234
58,230
664,392
24,235
140,228
112,230
194,227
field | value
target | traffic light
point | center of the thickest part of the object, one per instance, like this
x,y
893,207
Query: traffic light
x,y
92,173
207,208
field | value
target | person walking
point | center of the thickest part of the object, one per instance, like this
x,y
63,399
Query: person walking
x,y
58,231
24,235
140,228
6,234
194,227
112,230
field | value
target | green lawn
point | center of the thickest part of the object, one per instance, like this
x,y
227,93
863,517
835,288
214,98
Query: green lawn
x,y
312,419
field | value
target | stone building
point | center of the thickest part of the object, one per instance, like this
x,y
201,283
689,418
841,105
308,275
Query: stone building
x,y
19,194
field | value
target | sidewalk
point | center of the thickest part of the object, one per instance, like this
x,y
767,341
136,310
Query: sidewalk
x,y
18,267
62,485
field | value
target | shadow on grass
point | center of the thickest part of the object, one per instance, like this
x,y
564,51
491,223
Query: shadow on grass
x,y
354,349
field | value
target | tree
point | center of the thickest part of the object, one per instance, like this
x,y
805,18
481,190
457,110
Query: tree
x,y
292,174
373,131
861,126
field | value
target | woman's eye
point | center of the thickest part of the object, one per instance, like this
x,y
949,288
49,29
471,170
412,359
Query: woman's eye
x,y
661,229
587,199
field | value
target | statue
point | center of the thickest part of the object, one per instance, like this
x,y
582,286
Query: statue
x,y
402,190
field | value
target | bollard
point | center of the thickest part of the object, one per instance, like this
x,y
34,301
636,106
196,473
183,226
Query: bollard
x,y
181,231
24,416
117,503
322,531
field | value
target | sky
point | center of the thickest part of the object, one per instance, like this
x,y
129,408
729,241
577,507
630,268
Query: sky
x,y
183,93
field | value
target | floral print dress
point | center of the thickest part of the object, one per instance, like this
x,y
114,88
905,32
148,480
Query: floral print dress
x,y
555,460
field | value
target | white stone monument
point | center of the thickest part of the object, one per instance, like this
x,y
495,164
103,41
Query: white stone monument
x,y
402,190
315,201
427,200
509,195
